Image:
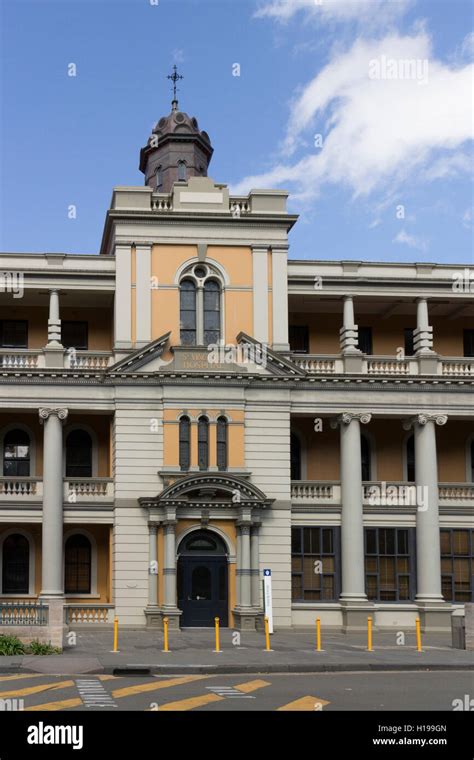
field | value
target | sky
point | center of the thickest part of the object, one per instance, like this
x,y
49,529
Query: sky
x,y
361,109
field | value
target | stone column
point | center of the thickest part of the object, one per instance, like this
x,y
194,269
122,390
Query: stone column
x,y
54,351
349,338
143,295
423,340
153,617
280,299
52,583
169,607
260,293
353,598
244,613
434,612
255,564
238,566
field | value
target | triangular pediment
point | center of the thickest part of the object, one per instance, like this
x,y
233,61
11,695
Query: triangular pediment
x,y
222,488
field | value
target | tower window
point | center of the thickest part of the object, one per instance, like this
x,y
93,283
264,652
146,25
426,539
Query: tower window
x,y
159,177
79,454
77,565
212,315
222,443
182,173
16,454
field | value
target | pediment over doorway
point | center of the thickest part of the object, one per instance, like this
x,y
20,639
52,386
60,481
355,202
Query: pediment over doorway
x,y
209,489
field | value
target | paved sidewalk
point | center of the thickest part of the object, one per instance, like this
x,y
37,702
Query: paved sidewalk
x,y
192,652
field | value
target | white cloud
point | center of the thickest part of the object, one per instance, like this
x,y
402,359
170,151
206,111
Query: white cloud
x,y
361,11
421,244
467,218
377,133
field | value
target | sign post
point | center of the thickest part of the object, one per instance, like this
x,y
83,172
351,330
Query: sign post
x,y
267,597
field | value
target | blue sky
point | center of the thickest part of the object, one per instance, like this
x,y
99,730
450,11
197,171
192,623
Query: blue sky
x,y
388,180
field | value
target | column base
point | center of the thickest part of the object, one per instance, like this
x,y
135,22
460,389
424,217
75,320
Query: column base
x,y
56,629
355,614
435,617
154,617
248,619
427,364
352,362
53,356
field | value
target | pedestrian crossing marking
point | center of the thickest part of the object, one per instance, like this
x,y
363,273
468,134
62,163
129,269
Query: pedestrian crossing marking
x,y
128,691
305,704
252,685
36,689
62,704
190,703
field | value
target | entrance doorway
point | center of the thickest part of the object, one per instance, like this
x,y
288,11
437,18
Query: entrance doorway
x,y
202,580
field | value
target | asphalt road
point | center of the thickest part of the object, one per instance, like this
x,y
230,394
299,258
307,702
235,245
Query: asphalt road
x,y
308,692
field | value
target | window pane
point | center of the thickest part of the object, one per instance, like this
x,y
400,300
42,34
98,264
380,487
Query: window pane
x,y
315,540
296,587
371,587
14,333
460,542
404,587
74,334
402,537
371,540
445,537
296,540
296,564
327,541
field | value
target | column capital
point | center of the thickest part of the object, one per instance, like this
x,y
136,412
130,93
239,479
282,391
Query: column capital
x,y
153,527
423,419
60,412
346,418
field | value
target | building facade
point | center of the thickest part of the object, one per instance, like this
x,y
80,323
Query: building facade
x,y
190,407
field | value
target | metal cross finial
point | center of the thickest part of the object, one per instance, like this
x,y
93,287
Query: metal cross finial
x,y
174,78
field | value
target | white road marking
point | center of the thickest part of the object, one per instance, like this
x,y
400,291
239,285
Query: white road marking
x,y
93,693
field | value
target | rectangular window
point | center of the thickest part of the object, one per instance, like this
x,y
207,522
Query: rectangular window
x,y
365,340
468,342
74,334
14,333
389,564
409,348
315,574
457,565
299,338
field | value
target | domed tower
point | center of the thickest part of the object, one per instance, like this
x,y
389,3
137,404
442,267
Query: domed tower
x,y
176,150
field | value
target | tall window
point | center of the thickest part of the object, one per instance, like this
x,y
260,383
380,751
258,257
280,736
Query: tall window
x,y
182,172
78,455
468,342
365,340
203,443
295,455
16,454
314,569
299,338
457,565
212,315
188,313
365,456
471,451
408,335
184,443
77,565
16,565
389,572
74,334
221,443
410,453
14,333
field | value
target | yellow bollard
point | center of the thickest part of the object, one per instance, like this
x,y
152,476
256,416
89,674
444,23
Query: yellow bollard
x,y
218,646
418,635
369,634
318,634
267,635
165,635
115,649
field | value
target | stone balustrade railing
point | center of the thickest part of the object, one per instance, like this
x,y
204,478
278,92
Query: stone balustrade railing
x,y
457,367
319,364
382,493
97,360
161,202
21,359
88,614
23,612
81,489
21,487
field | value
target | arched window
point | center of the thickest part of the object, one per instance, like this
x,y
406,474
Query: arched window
x,y
78,454
16,565
77,565
410,452
16,454
365,456
158,177
295,455
188,313
212,316
184,443
182,172
221,443
203,443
